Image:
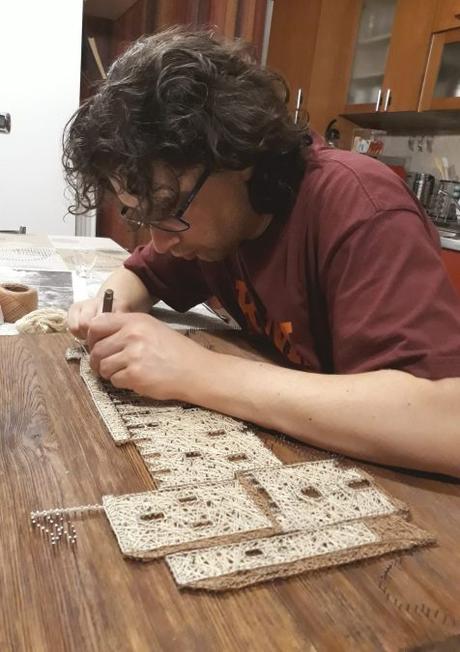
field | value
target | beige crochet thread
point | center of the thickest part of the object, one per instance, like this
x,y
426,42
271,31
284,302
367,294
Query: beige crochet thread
x,y
203,451
149,525
242,564
43,320
313,495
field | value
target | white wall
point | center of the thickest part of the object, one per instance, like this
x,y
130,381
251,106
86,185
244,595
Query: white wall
x,y
40,50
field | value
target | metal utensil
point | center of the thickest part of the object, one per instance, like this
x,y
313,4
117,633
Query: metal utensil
x,y
445,203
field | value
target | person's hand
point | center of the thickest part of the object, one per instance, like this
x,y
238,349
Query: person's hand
x,y
140,353
82,312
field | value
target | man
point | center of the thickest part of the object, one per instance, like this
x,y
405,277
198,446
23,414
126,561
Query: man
x,y
324,253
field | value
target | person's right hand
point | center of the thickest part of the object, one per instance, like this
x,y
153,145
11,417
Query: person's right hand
x,y
82,312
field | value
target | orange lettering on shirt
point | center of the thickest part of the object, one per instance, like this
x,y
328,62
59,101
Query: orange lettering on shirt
x,y
247,306
282,341
293,356
278,332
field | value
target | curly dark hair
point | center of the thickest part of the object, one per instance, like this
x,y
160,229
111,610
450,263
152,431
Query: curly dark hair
x,y
185,98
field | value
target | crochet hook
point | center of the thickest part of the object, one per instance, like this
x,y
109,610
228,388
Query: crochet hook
x,y
107,301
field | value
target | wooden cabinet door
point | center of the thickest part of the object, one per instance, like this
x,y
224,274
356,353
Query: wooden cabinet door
x,y
403,46
447,15
332,60
408,55
441,85
292,56
317,55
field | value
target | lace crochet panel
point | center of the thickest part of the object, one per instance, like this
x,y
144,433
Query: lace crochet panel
x,y
184,421
153,523
117,406
196,565
317,494
182,457
244,563
180,445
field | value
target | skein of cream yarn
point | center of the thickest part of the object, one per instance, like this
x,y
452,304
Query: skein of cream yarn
x,y
44,320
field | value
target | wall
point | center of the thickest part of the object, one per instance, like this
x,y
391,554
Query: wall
x,y
40,48
424,161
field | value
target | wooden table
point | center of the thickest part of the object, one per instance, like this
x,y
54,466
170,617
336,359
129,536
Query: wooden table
x,y
55,451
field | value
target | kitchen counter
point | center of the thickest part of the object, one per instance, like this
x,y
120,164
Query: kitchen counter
x,y
450,243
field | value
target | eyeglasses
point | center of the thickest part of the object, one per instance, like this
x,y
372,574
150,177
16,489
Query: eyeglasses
x,y
166,221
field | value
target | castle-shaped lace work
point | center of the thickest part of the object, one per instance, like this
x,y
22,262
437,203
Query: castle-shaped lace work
x,y
148,525
228,512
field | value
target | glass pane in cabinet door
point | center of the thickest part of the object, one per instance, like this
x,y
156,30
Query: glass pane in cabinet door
x,y
371,51
448,81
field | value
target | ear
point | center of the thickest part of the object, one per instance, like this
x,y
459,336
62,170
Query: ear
x,y
246,174
123,196
128,200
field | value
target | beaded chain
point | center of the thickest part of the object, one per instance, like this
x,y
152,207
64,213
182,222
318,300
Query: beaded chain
x,y
55,524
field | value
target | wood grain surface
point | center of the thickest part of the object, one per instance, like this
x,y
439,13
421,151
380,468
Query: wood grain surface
x,y
55,451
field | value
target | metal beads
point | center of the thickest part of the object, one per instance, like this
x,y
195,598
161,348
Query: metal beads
x,y
55,524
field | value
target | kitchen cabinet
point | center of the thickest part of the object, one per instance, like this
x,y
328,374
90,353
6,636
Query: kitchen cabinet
x,y
370,53
315,56
447,15
441,86
391,46
368,61
293,57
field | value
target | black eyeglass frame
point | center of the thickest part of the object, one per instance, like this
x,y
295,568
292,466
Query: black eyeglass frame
x,y
177,215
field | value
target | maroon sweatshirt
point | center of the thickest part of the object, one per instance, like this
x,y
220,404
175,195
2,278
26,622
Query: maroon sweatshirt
x,y
352,280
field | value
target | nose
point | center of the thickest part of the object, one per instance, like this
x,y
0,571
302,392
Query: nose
x,y
163,241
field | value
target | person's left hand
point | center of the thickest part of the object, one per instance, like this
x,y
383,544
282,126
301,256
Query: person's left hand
x,y
136,351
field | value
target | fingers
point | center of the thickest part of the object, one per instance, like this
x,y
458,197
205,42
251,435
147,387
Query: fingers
x,y
104,349
121,379
105,324
79,316
112,366
109,323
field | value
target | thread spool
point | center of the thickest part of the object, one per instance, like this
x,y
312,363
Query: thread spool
x,y
17,300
